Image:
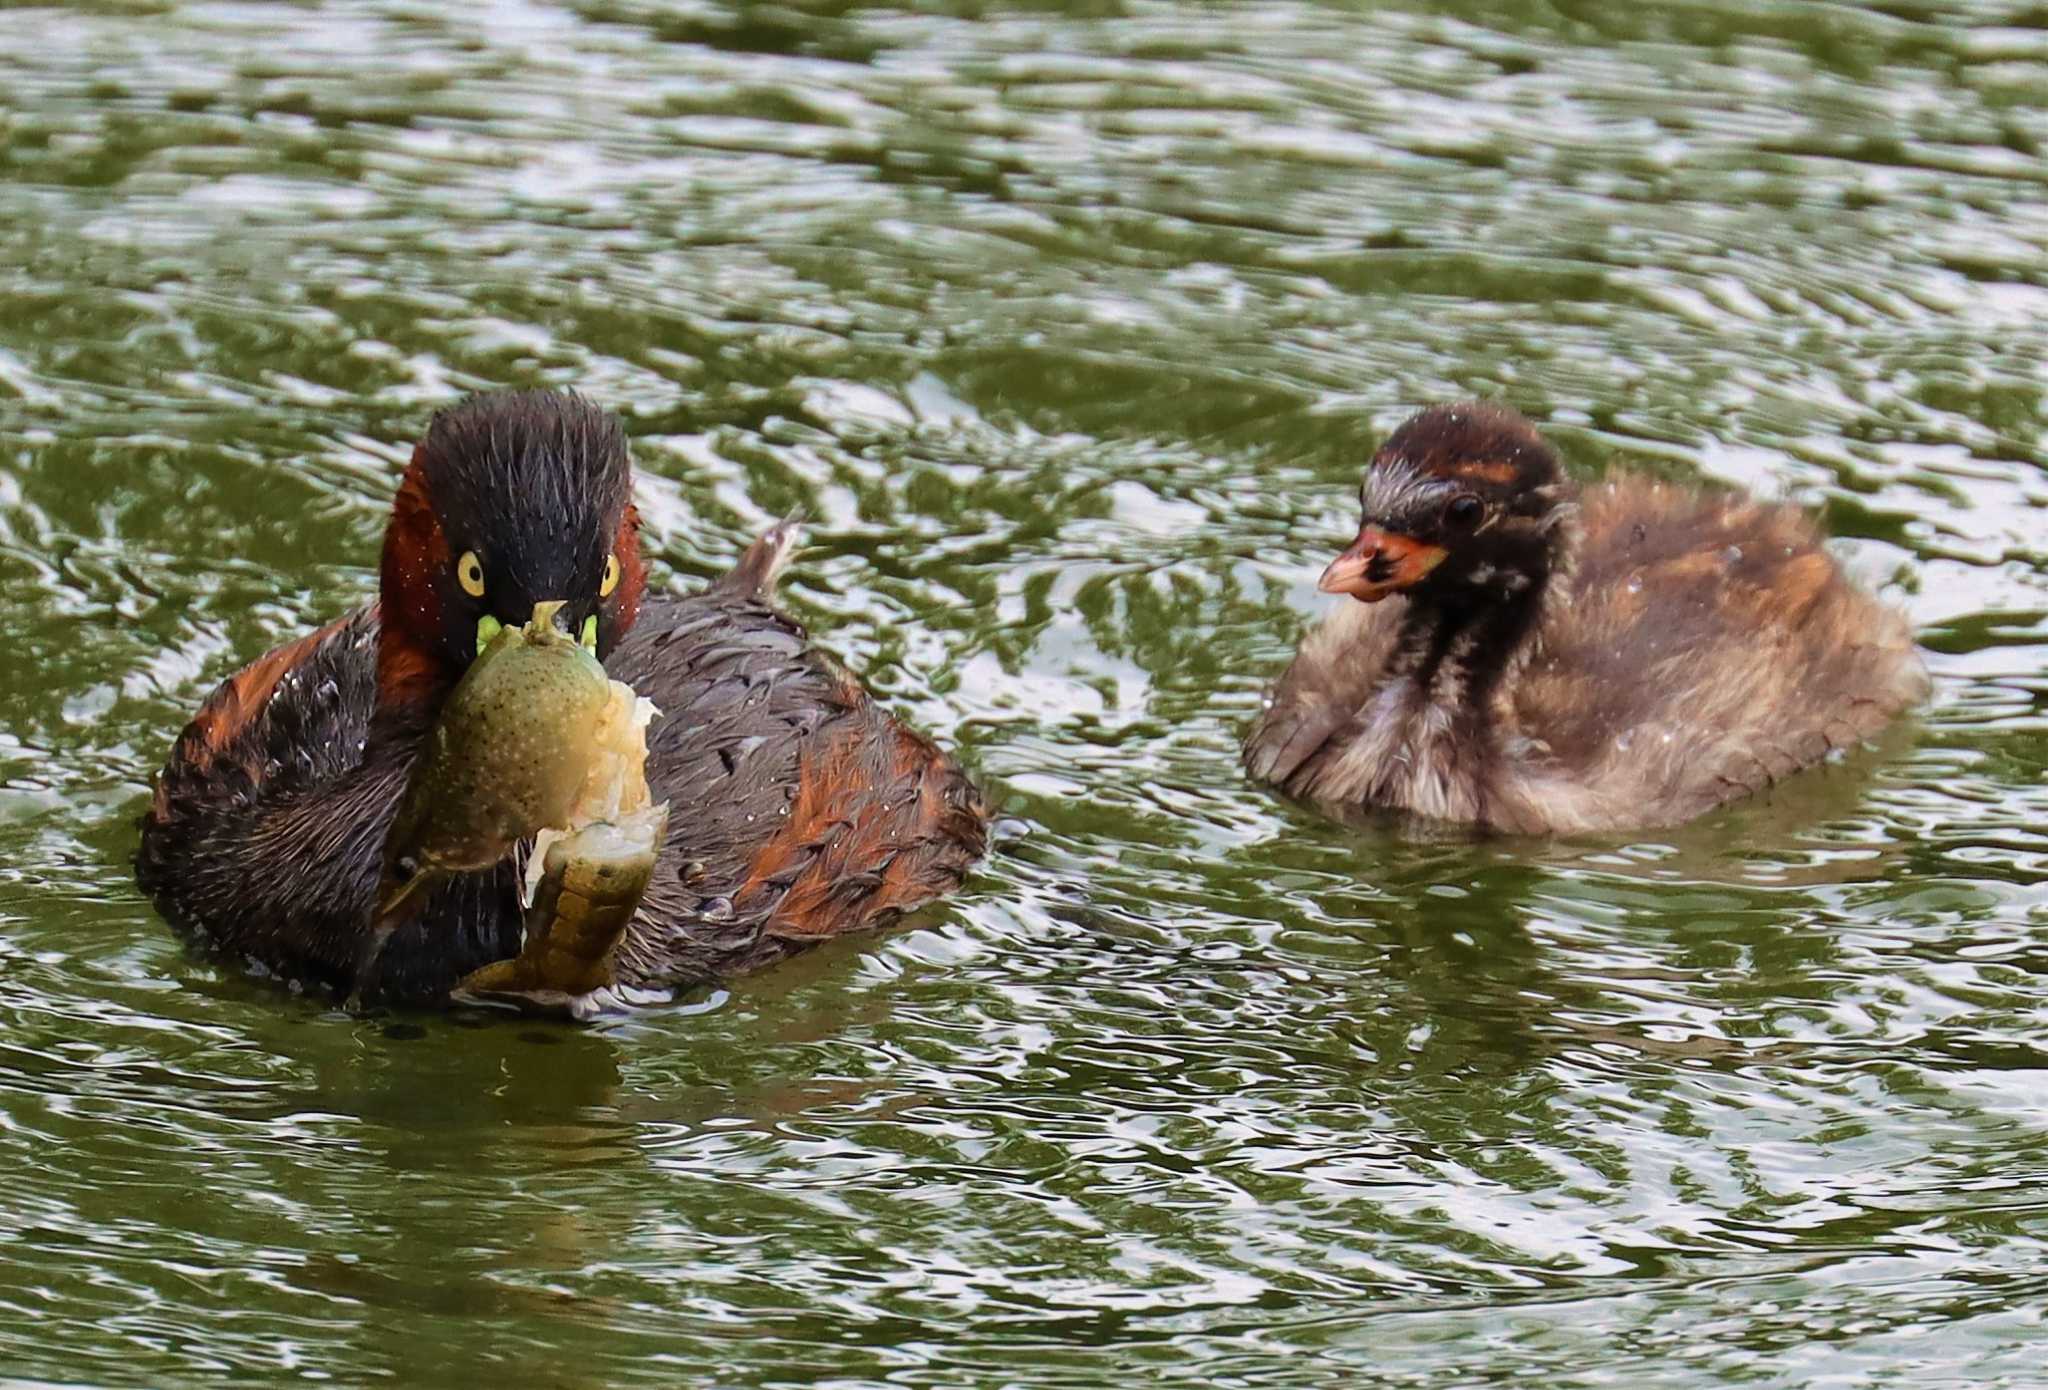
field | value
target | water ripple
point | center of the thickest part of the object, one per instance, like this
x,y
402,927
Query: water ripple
x,y
1069,326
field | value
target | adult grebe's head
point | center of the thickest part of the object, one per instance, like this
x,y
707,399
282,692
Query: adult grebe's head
x,y
1461,502
512,499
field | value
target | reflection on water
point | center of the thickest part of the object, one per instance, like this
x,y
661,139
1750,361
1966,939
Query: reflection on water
x,y
1069,324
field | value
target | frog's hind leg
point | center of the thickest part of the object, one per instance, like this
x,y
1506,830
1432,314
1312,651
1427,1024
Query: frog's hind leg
x,y
589,886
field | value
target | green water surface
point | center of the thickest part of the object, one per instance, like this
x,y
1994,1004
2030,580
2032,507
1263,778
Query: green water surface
x,y
1070,325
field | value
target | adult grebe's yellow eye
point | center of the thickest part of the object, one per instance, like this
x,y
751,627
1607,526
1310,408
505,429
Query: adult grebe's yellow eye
x,y
611,576
469,573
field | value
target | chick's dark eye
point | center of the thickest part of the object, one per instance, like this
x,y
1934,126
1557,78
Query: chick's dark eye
x,y
1464,511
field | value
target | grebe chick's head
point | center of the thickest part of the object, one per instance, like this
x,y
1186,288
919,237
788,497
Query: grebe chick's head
x,y
1463,503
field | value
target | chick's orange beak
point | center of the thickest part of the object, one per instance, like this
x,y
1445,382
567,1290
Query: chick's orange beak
x,y
1380,563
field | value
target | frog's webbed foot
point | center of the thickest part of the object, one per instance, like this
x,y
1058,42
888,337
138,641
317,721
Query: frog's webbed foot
x,y
369,953
586,887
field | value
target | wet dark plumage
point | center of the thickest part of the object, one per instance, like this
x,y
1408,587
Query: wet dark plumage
x,y
1631,654
800,809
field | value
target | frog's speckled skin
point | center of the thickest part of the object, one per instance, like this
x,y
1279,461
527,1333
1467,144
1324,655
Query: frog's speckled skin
x,y
505,759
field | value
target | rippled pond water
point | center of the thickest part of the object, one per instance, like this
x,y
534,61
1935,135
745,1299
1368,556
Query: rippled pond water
x,y
1070,324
